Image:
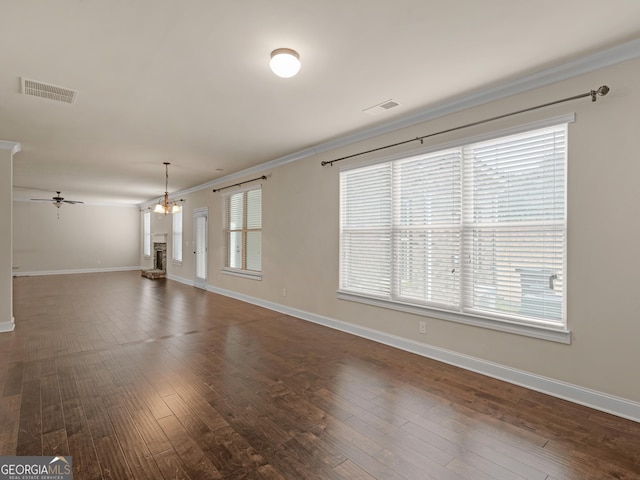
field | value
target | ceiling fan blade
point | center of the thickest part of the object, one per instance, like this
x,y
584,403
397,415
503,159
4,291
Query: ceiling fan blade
x,y
72,201
42,200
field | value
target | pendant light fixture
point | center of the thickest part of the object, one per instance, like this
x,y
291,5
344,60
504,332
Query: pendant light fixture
x,y
166,207
285,62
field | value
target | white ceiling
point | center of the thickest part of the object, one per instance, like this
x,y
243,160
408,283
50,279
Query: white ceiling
x,y
188,81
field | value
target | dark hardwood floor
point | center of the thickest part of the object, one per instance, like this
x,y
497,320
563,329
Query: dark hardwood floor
x,y
138,379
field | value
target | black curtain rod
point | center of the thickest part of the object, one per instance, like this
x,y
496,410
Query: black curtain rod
x,y
602,91
241,183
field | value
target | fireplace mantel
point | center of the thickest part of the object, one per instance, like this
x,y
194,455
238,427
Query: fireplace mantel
x,y
159,238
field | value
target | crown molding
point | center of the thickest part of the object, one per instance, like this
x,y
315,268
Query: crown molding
x,y
85,204
14,147
580,66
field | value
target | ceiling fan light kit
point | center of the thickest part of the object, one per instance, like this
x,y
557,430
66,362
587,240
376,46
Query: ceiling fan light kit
x,y
57,201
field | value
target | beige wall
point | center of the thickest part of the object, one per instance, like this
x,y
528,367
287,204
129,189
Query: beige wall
x,y
85,237
300,239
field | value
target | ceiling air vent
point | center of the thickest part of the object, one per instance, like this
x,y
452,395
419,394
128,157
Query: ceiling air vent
x,y
46,90
381,107
389,104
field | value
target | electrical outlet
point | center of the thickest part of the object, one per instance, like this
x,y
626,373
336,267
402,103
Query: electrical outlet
x,y
422,328
284,292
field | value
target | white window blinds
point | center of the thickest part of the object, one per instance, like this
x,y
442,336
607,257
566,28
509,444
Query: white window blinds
x,y
146,227
477,229
427,228
200,247
177,235
243,230
366,230
514,225
253,240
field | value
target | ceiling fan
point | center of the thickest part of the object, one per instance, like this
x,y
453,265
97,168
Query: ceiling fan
x,y
57,200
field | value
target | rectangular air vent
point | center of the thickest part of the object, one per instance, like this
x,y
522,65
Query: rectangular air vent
x,y
381,107
46,90
390,104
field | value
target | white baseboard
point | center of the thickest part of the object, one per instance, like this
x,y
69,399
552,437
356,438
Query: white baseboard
x,y
7,326
590,398
178,279
81,270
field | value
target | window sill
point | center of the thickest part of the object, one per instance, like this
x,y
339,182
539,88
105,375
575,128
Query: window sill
x,y
552,333
176,262
242,273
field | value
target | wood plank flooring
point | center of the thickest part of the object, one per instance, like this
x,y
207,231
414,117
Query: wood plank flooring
x,y
143,379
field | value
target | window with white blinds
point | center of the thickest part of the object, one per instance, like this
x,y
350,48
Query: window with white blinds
x,y
146,230
200,220
243,231
477,230
177,235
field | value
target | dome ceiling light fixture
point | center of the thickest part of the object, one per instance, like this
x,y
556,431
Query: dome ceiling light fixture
x,y
285,62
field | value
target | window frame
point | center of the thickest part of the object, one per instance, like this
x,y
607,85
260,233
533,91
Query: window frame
x,y
557,332
244,231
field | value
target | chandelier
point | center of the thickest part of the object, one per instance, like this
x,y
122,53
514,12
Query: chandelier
x,y
166,206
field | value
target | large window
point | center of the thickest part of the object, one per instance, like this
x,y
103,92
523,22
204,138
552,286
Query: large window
x,y
243,231
146,227
176,253
477,231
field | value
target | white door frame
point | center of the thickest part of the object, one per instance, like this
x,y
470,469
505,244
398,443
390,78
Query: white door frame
x,y
200,252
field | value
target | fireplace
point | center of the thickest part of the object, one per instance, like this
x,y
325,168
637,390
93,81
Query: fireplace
x,y
159,256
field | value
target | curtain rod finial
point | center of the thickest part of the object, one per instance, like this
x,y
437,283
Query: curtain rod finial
x,y
602,91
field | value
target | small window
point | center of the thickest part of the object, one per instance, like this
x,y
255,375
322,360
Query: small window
x,y
177,234
243,231
147,234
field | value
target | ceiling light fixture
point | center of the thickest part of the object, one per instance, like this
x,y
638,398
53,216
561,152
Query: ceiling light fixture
x,y
285,62
166,207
